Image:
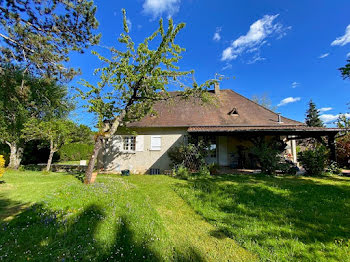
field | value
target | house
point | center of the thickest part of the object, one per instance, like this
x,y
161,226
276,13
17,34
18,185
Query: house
x,y
230,123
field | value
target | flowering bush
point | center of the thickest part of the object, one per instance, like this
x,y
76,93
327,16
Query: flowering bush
x,y
2,165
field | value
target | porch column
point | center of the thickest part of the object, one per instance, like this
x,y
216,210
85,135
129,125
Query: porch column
x,y
331,145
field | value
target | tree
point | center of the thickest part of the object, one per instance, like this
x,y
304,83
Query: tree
x,y
343,122
39,34
57,132
37,98
312,116
134,79
264,100
345,71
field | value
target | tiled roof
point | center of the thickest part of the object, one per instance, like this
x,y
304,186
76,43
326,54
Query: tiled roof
x,y
289,128
192,112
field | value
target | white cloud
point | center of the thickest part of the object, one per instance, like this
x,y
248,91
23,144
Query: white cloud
x,y
348,54
256,58
343,40
157,7
325,109
323,55
227,66
255,38
217,36
289,100
295,84
328,118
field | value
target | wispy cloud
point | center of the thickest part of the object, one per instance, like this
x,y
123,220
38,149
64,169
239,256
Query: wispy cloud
x,y
157,7
329,118
295,84
325,109
227,66
128,22
348,54
217,36
323,55
343,40
289,100
255,38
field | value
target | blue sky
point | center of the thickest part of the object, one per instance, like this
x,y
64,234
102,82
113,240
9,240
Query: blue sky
x,y
288,49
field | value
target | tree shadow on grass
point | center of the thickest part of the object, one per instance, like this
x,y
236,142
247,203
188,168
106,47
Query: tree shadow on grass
x,y
286,208
41,234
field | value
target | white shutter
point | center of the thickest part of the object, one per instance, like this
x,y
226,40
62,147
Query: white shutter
x,y
117,143
156,142
140,143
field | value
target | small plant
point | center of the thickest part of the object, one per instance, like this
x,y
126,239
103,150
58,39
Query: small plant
x,y
314,160
181,172
333,168
2,165
204,171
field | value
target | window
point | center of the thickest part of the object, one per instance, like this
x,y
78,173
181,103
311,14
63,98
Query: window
x,y
129,143
156,142
212,147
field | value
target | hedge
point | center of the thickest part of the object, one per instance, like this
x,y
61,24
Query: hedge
x,y
75,152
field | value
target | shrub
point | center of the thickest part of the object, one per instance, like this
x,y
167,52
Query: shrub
x,y
75,152
2,165
343,150
333,168
181,172
314,160
267,154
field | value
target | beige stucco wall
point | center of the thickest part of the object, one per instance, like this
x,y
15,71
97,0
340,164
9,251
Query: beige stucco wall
x,y
142,160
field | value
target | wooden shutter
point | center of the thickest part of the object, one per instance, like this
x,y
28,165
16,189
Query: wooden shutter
x,y
156,142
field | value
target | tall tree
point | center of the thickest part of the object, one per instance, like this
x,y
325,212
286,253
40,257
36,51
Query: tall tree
x,y
39,34
37,98
132,80
264,100
345,71
313,116
57,132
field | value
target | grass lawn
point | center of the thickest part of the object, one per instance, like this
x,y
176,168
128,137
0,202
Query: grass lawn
x,y
277,218
55,217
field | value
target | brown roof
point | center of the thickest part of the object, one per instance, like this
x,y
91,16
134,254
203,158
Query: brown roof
x,y
192,112
281,128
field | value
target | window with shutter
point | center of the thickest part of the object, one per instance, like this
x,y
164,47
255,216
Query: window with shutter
x,y
156,142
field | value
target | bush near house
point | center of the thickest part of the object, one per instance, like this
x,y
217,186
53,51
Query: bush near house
x,y
343,150
75,152
314,160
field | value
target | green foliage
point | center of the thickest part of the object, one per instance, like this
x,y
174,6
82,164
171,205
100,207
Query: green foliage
x,y
314,160
191,155
132,80
267,154
343,150
39,34
313,116
343,122
23,96
75,152
333,168
181,172
345,71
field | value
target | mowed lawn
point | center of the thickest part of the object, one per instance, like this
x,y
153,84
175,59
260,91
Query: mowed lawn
x,y
55,217
277,218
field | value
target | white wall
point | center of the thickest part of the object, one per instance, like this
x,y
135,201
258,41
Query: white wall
x,y
114,160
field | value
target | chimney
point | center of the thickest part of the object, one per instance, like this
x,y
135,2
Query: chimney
x,y
216,88
279,118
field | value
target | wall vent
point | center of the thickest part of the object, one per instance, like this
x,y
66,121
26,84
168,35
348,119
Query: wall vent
x,y
233,112
154,171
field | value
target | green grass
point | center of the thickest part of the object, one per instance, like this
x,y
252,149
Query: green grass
x,y
55,217
278,218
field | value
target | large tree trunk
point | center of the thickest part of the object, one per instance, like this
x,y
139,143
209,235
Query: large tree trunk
x,y
92,162
16,153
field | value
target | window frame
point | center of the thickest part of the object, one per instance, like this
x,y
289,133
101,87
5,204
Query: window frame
x,y
129,144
